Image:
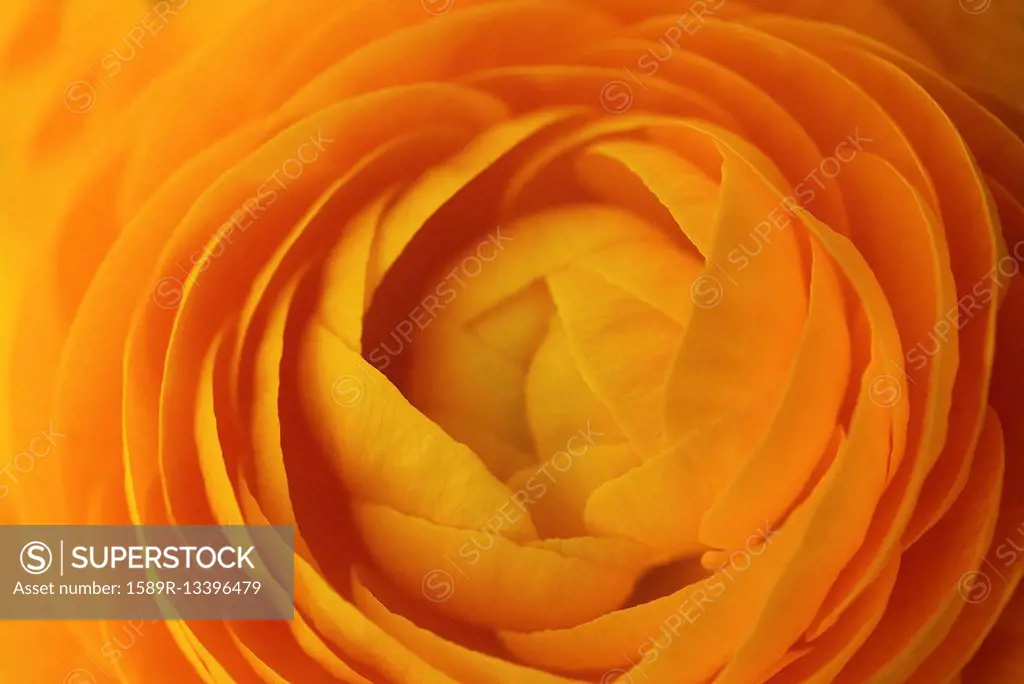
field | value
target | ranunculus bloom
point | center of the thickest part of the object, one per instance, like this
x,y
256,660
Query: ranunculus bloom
x,y
580,340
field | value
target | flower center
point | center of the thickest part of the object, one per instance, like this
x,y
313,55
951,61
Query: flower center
x,y
546,347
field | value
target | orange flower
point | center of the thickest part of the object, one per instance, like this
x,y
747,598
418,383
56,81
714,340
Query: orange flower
x,y
579,340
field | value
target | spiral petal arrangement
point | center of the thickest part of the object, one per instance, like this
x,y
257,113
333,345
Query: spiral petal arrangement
x,y
579,340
